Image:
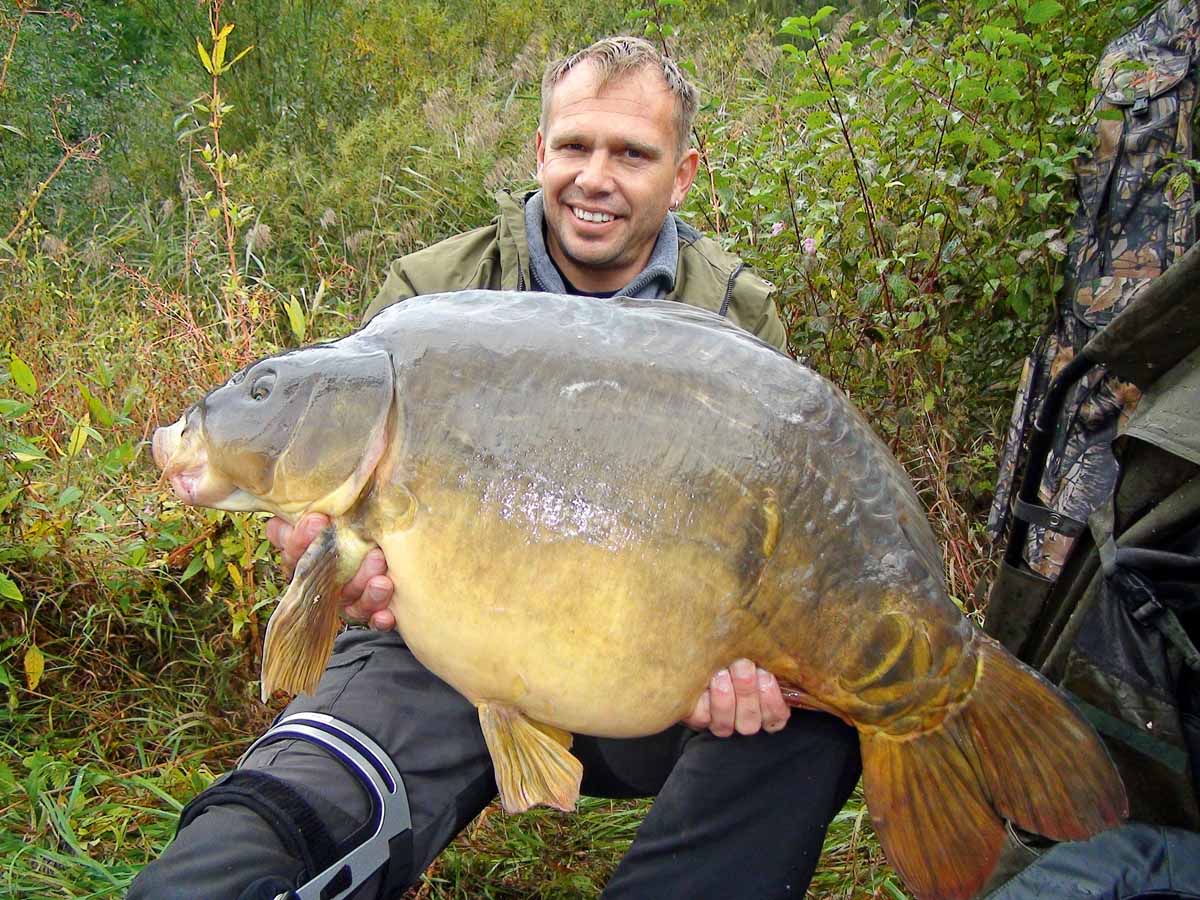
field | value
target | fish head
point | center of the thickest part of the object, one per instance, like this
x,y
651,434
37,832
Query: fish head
x,y
294,433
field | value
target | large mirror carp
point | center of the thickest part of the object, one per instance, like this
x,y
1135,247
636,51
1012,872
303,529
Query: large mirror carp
x,y
589,506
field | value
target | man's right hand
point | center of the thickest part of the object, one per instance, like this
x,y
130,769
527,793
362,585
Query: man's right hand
x,y
366,597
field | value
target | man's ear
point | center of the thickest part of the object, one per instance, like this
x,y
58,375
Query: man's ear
x,y
685,173
539,143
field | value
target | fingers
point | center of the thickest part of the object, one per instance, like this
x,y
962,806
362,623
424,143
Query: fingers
x,y
296,540
368,595
747,712
700,717
742,698
373,566
722,705
775,712
278,531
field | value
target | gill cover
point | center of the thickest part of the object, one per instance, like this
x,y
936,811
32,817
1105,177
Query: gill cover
x,y
304,430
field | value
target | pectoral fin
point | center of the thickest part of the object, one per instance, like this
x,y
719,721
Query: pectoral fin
x,y
301,630
533,765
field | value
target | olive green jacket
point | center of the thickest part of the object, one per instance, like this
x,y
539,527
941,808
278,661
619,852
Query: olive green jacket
x,y
496,257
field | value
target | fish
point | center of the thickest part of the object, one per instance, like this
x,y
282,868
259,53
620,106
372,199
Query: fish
x,y
588,506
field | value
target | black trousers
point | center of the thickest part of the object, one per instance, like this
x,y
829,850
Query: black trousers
x,y
738,817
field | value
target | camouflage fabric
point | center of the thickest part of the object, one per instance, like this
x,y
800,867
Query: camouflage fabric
x,y
1132,221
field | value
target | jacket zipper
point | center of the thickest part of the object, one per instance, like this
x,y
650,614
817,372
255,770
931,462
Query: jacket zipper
x,y
729,290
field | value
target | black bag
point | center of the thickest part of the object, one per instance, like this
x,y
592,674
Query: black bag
x,y
1118,629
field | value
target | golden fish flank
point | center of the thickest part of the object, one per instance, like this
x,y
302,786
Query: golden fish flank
x,y
578,542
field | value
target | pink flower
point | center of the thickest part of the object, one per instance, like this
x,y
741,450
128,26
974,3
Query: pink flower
x,y
776,229
810,246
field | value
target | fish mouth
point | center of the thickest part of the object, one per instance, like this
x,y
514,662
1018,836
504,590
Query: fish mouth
x,y
182,456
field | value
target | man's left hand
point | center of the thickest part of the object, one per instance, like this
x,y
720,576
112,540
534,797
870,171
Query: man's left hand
x,y
742,698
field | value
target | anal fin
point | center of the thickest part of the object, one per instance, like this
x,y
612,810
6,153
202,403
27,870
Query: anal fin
x,y
301,630
533,764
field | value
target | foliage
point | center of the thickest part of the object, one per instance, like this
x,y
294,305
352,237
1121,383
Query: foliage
x,y
902,174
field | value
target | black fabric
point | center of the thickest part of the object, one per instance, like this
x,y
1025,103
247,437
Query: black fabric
x,y
571,289
294,821
1134,862
740,817
268,889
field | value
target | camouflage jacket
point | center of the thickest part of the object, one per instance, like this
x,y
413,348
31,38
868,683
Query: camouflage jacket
x,y
1133,220
496,257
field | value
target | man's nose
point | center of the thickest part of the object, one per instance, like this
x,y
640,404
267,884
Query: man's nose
x,y
594,177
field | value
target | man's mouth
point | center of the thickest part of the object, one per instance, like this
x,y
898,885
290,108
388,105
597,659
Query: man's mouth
x,y
587,215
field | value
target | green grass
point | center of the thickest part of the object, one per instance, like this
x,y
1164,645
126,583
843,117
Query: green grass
x,y
72,826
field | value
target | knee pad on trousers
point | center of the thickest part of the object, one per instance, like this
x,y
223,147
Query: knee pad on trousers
x,y
333,871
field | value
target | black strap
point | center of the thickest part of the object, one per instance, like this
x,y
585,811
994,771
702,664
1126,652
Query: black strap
x,y
293,820
1056,521
1136,591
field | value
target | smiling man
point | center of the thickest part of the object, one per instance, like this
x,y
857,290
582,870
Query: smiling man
x,y
611,159
744,789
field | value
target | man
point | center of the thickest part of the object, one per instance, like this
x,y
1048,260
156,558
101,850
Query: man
x,y
735,817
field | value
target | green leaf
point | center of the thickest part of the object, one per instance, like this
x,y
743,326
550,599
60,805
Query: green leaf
x,y
69,495
1005,93
204,58
218,55
7,499
98,410
809,98
9,589
233,61
1042,11
821,14
79,436
797,25
295,314
22,375
13,409
13,128
35,665
194,566
818,119
1111,115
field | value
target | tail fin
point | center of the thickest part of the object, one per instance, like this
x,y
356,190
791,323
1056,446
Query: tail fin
x,y
1015,750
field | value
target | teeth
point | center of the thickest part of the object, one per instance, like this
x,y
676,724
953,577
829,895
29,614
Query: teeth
x,y
591,216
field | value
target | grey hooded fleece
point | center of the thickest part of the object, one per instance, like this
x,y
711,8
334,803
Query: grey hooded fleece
x,y
653,283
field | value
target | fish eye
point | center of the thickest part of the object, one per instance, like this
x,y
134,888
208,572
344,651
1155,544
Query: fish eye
x,y
261,389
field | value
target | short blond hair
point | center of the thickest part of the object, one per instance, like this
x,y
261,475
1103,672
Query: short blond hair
x,y
616,57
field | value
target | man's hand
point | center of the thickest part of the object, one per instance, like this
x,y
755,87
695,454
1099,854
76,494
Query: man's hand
x,y
367,595
742,698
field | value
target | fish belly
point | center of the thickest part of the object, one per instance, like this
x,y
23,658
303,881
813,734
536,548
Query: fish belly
x,y
615,642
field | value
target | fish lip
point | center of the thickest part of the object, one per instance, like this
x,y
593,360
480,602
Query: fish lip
x,y
166,442
197,485
186,484
183,458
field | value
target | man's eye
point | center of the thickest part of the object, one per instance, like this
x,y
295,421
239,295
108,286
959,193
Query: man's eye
x,y
634,154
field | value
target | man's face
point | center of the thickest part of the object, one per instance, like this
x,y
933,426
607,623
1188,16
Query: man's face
x,y
609,171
